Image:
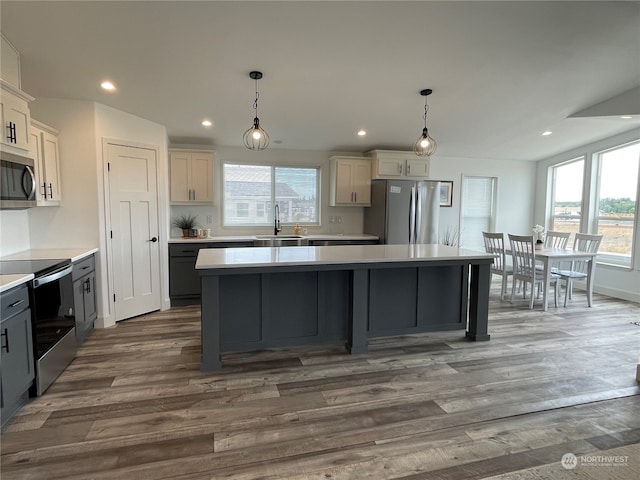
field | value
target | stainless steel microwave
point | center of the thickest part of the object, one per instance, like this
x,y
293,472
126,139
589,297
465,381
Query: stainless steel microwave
x,y
18,182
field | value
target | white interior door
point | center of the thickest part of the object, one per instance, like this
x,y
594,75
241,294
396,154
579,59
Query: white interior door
x,y
135,253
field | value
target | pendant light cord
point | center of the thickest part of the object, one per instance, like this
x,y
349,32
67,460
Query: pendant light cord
x,y
255,102
426,109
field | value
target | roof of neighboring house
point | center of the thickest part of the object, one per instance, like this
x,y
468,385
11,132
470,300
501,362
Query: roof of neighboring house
x,y
258,189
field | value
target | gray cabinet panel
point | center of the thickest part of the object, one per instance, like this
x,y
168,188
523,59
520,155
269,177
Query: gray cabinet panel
x,y
16,355
84,297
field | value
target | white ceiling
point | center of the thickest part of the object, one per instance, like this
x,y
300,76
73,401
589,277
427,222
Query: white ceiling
x,y
501,72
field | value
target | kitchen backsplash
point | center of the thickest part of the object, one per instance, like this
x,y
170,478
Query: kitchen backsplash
x,y
14,231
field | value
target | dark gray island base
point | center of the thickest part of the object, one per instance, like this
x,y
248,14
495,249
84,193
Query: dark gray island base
x,y
269,297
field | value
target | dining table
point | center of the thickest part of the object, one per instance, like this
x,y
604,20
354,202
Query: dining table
x,y
549,256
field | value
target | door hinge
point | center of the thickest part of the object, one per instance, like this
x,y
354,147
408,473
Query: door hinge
x,y
108,166
111,233
114,297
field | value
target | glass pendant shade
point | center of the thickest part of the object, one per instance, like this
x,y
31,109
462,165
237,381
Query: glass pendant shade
x,y
255,138
425,146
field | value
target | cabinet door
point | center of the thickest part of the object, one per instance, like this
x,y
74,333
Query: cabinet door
x,y
179,177
35,150
90,310
390,168
202,177
184,279
17,356
362,182
344,182
50,162
418,167
78,307
15,113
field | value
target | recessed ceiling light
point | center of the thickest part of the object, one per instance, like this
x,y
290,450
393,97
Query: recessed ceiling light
x,y
361,133
107,85
547,133
626,117
206,123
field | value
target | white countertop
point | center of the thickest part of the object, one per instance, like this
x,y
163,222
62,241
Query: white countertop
x,y
73,254
7,282
330,255
251,238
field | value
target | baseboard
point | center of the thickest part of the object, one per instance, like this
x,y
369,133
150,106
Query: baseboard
x,y
615,293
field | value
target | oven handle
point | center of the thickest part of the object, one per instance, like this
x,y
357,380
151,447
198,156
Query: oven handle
x,y
52,276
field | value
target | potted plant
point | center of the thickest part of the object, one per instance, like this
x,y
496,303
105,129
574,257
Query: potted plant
x,y
186,222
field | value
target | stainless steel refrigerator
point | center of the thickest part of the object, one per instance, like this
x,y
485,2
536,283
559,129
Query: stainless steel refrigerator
x,y
403,211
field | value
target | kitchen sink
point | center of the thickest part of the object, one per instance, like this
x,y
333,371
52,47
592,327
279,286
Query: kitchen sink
x,y
280,241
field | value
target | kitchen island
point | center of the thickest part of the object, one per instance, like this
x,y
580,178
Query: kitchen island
x,y
264,297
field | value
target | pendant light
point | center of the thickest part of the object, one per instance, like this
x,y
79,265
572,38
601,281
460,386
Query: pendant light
x,y
255,138
425,146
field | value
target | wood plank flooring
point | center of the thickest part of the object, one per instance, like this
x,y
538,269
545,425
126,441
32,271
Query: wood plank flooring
x,y
134,404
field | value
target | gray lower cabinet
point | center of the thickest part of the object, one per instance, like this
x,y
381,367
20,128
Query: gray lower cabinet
x,y
184,281
17,369
84,296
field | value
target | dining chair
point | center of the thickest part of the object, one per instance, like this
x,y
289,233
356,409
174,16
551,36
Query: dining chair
x,y
494,244
523,254
580,269
555,239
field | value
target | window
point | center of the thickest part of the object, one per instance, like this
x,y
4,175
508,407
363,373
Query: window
x,y
616,202
566,202
478,210
250,190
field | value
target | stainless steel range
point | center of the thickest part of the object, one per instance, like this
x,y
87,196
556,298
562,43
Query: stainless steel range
x,y
52,316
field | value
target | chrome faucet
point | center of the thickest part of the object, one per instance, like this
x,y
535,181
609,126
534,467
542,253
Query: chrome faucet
x,y
276,221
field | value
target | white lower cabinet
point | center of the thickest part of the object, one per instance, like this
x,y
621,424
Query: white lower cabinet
x,y
45,152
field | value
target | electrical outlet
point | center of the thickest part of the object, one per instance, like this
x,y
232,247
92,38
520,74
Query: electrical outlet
x,y
331,219
338,219
209,219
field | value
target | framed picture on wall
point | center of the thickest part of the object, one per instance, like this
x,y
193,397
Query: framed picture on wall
x,y
446,193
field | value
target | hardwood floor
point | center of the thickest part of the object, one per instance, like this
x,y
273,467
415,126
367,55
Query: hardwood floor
x,y
134,405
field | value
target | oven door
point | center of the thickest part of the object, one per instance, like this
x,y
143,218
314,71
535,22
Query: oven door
x,y
53,326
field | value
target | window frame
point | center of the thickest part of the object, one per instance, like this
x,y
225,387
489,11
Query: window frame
x,y
268,209
583,209
609,258
493,214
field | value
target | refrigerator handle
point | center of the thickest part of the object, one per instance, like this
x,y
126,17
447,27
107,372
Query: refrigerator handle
x,y
420,199
412,216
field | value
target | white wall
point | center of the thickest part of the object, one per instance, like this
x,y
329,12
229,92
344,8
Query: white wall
x,y
115,125
609,280
515,181
14,231
352,217
80,220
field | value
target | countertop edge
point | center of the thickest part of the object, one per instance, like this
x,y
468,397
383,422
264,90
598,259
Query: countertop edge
x,y
250,238
7,282
72,254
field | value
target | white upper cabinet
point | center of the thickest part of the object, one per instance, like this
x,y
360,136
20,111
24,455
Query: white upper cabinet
x,y
394,164
191,176
45,152
350,182
14,113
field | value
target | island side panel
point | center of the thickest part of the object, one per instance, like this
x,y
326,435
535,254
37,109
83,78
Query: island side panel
x,y
210,324
442,297
357,328
479,302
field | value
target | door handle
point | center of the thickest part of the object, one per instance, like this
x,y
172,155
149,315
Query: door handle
x,y
87,287
6,340
153,239
51,190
